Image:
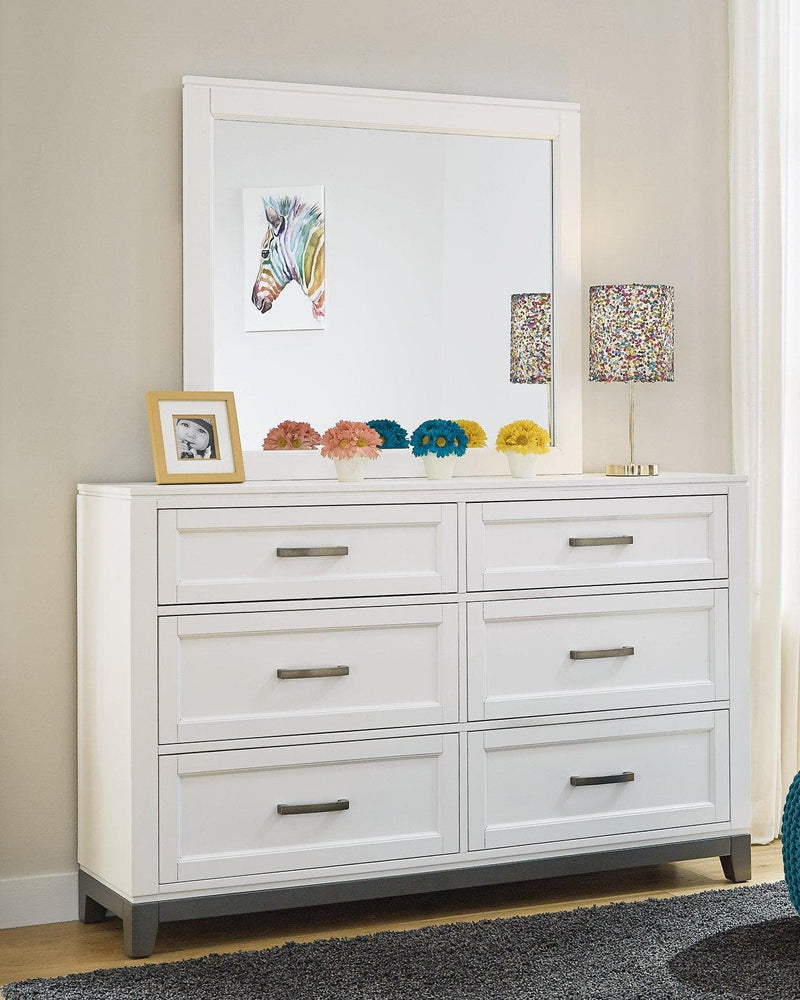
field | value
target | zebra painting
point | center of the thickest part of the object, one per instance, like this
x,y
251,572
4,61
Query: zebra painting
x,y
292,249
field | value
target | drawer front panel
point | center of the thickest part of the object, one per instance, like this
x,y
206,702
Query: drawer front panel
x,y
567,543
522,788
359,668
252,554
578,654
219,812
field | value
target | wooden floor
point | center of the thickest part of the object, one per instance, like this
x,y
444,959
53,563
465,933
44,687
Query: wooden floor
x,y
57,949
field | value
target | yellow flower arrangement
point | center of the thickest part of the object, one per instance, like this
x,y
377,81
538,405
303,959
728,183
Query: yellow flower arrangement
x,y
476,435
524,437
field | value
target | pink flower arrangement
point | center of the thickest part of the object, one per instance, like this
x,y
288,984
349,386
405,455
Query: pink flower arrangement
x,y
292,435
350,439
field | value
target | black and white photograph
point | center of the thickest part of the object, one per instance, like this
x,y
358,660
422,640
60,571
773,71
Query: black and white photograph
x,y
195,436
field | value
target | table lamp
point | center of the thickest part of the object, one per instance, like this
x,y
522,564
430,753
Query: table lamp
x,y
532,343
631,340
531,340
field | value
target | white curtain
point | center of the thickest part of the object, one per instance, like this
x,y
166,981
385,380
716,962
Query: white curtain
x,y
765,356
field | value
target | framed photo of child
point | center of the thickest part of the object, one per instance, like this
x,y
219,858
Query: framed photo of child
x,y
195,437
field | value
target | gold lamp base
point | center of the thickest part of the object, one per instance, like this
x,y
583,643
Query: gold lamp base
x,y
632,469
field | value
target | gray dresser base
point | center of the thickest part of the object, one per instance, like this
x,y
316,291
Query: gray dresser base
x,y
141,920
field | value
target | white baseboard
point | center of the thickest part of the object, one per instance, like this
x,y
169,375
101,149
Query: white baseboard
x,y
40,899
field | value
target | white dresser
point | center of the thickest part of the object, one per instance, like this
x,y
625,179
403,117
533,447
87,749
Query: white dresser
x,y
307,692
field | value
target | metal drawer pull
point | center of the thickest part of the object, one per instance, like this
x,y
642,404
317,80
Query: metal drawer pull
x,y
322,550
600,654
578,543
313,807
603,779
290,673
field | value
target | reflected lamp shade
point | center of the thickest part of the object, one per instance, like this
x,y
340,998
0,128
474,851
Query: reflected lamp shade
x,y
531,338
631,333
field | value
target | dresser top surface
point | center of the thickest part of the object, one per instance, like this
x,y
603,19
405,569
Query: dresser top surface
x,y
421,489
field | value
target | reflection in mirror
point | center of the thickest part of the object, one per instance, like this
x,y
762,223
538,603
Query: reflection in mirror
x,y
427,237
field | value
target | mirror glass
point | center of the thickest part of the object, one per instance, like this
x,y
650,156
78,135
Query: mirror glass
x,y
427,236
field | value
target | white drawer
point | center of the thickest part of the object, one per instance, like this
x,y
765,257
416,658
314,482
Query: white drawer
x,y
236,676
522,789
580,654
568,543
219,812
253,554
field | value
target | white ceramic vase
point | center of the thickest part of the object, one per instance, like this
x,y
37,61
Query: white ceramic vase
x,y
522,466
439,468
351,470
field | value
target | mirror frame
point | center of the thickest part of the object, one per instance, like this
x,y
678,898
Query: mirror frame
x,y
206,100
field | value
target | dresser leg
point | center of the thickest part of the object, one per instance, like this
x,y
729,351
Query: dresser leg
x,y
736,865
139,929
89,910
90,893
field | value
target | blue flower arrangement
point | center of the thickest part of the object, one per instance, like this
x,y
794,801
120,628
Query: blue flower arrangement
x,y
393,435
439,437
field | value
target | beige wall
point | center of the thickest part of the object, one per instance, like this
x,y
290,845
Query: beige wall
x,y
90,302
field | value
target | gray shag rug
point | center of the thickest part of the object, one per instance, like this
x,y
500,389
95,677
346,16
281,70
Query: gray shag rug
x,y
734,943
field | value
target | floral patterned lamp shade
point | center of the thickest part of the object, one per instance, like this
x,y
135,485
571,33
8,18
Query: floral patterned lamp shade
x,y
631,333
531,338
631,339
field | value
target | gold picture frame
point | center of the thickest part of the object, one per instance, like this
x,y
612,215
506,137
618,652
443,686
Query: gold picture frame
x,y
195,437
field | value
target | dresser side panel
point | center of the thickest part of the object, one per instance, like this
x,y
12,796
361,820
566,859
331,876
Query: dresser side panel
x,y
739,645
115,657
104,718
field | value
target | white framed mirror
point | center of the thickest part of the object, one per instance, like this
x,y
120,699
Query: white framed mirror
x,y
436,210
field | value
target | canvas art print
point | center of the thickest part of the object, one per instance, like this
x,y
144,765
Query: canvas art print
x,y
284,258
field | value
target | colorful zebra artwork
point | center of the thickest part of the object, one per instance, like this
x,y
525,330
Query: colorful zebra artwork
x,y
292,249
